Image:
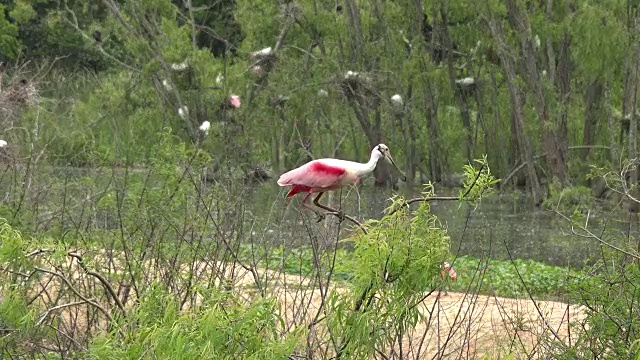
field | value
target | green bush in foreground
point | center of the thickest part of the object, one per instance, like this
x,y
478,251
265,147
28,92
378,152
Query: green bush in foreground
x,y
219,328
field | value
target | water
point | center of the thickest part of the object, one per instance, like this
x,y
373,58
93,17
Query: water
x,y
498,223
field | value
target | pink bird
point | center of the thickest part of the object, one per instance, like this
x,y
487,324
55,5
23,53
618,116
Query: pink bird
x,y
321,175
235,101
448,269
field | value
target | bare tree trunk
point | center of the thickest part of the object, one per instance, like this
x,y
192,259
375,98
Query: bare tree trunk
x,y
526,152
612,139
563,83
405,122
430,106
551,143
461,101
593,111
356,34
551,57
362,106
365,101
631,107
503,153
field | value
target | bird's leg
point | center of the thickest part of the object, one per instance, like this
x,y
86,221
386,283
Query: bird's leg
x,y
340,213
305,204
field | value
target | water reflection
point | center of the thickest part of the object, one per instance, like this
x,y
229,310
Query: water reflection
x,y
498,223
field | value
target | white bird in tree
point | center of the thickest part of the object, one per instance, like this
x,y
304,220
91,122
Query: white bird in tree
x,y
397,100
264,52
466,81
204,127
179,67
183,111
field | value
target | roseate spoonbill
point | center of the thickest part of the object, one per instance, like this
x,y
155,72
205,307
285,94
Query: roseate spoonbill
x,y
235,101
321,175
448,269
263,52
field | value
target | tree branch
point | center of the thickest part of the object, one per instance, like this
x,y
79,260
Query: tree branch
x,y
101,278
343,216
443,198
76,26
76,292
589,235
44,315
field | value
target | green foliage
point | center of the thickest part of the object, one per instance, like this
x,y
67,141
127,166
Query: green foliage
x,y
401,250
575,199
11,245
16,318
106,104
478,182
222,327
598,33
9,43
500,277
611,317
22,12
395,264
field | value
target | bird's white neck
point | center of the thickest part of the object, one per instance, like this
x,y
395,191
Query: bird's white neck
x,y
369,166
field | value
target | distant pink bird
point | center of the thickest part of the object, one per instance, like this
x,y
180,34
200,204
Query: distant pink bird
x,y
235,101
321,175
446,268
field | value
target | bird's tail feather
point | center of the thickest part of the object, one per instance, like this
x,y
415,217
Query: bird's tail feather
x,y
298,189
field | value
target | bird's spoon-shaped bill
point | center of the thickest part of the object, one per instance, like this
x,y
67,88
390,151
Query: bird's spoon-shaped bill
x,y
390,159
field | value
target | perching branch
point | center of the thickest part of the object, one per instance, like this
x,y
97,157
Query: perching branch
x,y
343,216
443,198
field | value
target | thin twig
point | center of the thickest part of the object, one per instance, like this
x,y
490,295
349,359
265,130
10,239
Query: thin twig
x,y
347,217
101,278
76,292
535,304
589,235
443,198
44,315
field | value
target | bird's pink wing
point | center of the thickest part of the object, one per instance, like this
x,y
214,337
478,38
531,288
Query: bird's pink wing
x,y
315,174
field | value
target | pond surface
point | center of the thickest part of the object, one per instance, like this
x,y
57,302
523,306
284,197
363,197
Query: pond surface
x,y
498,223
